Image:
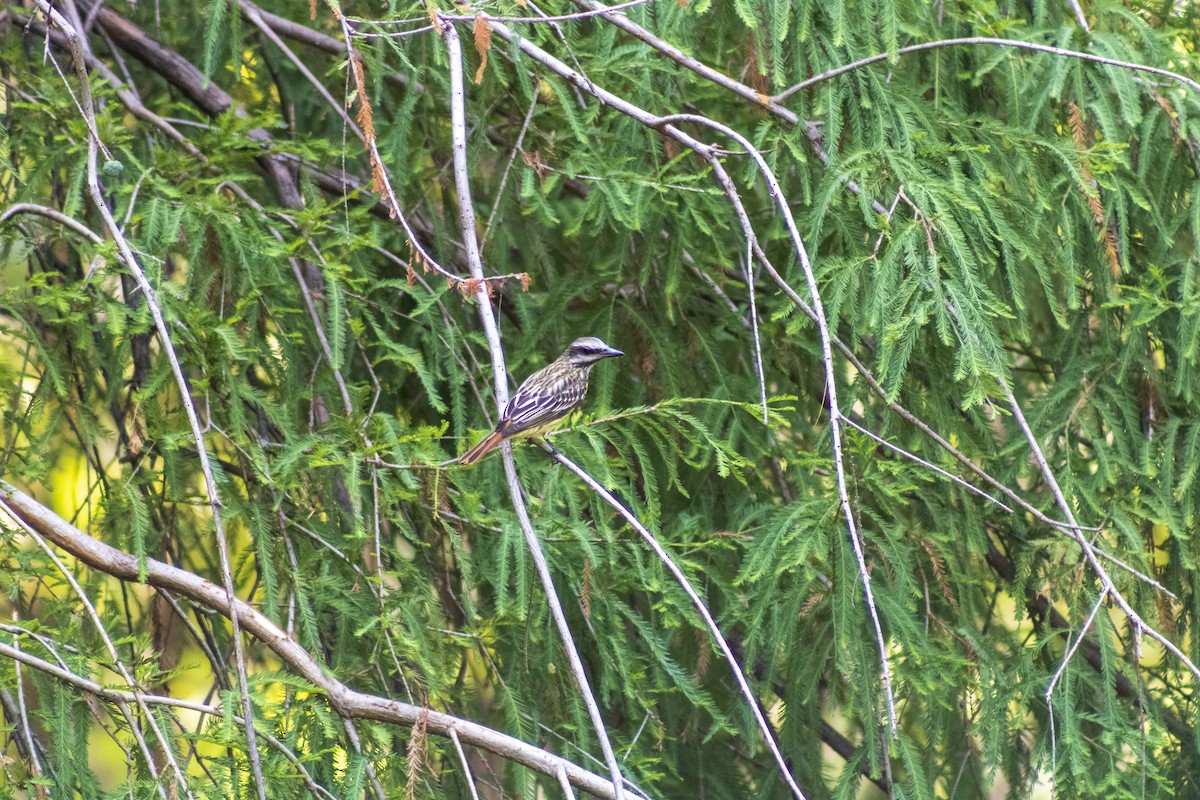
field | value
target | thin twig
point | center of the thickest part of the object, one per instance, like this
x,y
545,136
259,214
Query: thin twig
x,y
1087,623
384,181
789,117
255,17
466,765
970,487
759,372
603,11
1079,15
512,157
1135,620
53,214
32,745
568,792
976,40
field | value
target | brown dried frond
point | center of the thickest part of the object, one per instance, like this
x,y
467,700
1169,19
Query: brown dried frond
x,y
415,256
1166,107
312,9
378,184
703,654
1078,126
1166,614
533,158
469,287
811,603
939,573
526,280
418,754
757,78
1111,254
366,118
483,41
649,361
670,146
585,589
410,277
1173,121
1082,136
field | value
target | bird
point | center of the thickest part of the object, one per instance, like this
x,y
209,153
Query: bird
x,y
546,397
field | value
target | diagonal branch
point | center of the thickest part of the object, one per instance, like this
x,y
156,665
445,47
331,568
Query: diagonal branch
x,y
990,40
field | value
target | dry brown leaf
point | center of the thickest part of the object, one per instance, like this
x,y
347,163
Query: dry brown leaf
x,y
670,147
758,80
483,42
1082,136
418,754
939,573
585,590
703,654
1078,126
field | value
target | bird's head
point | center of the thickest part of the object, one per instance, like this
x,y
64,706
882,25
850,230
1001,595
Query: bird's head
x,y
585,352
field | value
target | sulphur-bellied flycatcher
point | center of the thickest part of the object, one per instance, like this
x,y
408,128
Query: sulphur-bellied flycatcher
x,y
546,397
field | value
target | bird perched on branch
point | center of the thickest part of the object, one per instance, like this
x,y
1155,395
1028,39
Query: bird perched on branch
x,y
546,397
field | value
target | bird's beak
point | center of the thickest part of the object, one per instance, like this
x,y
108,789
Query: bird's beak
x,y
612,352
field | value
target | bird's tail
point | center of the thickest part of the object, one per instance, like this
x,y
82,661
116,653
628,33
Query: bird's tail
x,y
487,445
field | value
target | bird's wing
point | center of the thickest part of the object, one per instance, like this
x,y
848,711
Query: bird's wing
x,y
547,395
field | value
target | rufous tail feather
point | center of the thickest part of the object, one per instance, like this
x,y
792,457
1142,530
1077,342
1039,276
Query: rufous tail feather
x,y
487,445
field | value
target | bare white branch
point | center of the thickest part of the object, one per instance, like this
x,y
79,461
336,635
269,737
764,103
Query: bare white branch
x,y
466,210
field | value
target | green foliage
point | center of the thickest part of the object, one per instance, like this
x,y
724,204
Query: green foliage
x,y
1040,233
